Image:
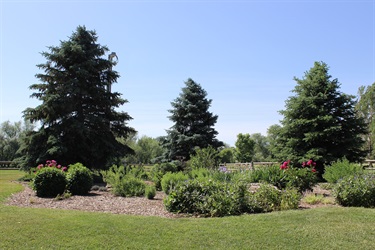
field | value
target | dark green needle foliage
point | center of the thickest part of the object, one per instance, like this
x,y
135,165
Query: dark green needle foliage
x,y
320,122
78,116
193,123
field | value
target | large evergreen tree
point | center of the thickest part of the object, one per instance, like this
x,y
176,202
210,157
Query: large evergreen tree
x,y
193,123
320,122
77,116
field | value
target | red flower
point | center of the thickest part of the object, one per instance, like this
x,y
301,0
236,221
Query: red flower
x,y
313,170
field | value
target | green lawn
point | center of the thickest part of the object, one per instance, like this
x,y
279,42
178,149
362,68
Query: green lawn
x,y
323,228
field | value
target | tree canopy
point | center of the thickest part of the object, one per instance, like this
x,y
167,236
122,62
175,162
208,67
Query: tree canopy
x,y
78,117
193,123
320,122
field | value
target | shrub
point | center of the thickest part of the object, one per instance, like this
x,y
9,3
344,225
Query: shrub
x,y
300,178
199,173
271,175
340,169
159,170
204,158
356,191
267,198
129,187
150,191
49,182
79,179
290,199
170,180
207,197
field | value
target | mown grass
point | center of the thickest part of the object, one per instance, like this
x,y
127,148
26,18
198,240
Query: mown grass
x,y
323,228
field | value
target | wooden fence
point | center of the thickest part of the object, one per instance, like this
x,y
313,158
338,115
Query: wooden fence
x,y
8,165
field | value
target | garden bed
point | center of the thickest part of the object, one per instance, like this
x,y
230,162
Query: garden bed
x,y
103,201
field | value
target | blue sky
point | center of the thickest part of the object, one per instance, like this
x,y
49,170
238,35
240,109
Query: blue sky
x,y
243,53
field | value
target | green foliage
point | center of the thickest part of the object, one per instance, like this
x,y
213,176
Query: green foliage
x,y
159,170
204,158
199,173
320,122
340,169
146,150
150,192
129,186
356,191
79,121
261,147
366,109
171,180
266,199
79,179
269,174
226,155
49,182
300,178
207,197
290,199
244,148
193,123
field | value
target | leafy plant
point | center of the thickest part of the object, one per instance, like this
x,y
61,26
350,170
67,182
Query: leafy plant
x,y
204,158
79,179
129,186
158,171
356,191
49,182
340,169
150,191
170,180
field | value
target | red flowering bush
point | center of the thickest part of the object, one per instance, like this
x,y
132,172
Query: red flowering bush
x,y
300,178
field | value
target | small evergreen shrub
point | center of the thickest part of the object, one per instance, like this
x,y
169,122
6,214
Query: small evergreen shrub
x,y
49,182
79,179
199,173
340,169
356,191
267,198
290,199
170,180
150,192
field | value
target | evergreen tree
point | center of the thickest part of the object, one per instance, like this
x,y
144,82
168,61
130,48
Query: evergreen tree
x,y
77,116
193,123
320,122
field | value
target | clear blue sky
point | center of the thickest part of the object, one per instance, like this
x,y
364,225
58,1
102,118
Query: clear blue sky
x,y
243,53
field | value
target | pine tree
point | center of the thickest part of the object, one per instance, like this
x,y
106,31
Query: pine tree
x,y
193,123
77,117
320,122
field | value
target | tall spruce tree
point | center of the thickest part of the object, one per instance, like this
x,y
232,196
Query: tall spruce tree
x,y
320,122
193,123
77,116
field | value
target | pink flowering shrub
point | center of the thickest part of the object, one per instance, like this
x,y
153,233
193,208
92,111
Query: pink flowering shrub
x,y
301,178
52,164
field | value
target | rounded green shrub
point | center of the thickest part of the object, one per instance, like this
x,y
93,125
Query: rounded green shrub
x,y
129,186
80,179
300,178
356,191
150,191
49,182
